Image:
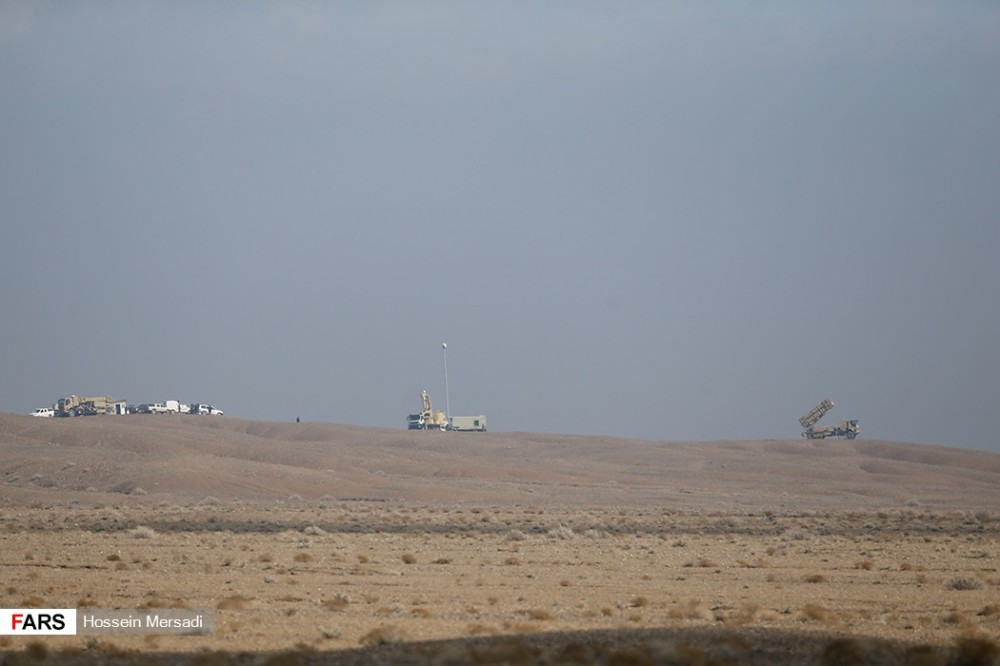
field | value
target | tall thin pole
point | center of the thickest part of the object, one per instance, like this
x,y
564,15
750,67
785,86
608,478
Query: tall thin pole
x,y
447,400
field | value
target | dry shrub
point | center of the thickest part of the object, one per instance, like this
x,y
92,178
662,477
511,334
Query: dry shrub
x,y
442,560
536,614
37,650
235,602
746,615
512,561
673,652
964,583
977,652
142,532
842,652
561,532
384,635
990,610
420,611
303,557
816,613
692,610
814,578
479,629
639,602
409,558
955,617
160,602
508,651
336,603
866,565
289,658
923,655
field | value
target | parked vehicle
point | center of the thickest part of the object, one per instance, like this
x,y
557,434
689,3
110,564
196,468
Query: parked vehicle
x,y
202,408
76,405
428,418
43,412
849,428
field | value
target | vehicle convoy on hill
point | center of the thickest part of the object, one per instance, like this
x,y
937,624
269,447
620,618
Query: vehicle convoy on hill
x,y
849,428
76,405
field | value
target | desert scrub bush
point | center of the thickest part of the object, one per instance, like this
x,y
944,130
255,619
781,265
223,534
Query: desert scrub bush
x,y
142,532
814,578
990,610
37,650
512,561
561,532
409,558
384,635
866,565
692,610
977,652
336,603
964,583
303,557
536,614
843,651
955,617
816,613
235,602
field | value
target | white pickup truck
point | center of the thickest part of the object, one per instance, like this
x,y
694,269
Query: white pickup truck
x,y
44,412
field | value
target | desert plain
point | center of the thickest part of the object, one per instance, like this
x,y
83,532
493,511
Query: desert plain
x,y
325,543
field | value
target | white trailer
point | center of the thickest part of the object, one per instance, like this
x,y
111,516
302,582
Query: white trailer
x,y
468,423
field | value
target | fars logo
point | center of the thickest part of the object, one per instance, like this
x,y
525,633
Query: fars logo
x,y
38,621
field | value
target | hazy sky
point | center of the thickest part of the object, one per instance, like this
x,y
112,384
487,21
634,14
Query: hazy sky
x,y
662,220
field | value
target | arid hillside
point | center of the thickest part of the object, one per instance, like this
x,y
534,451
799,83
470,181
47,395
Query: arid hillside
x,y
188,458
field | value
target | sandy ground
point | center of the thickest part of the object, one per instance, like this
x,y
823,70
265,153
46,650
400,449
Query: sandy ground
x,y
318,543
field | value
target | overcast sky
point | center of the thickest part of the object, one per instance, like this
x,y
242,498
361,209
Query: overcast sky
x,y
659,220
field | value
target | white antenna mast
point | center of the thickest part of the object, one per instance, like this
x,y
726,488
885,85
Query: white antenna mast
x,y
447,401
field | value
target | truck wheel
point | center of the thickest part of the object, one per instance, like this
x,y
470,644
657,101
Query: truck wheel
x,y
851,435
